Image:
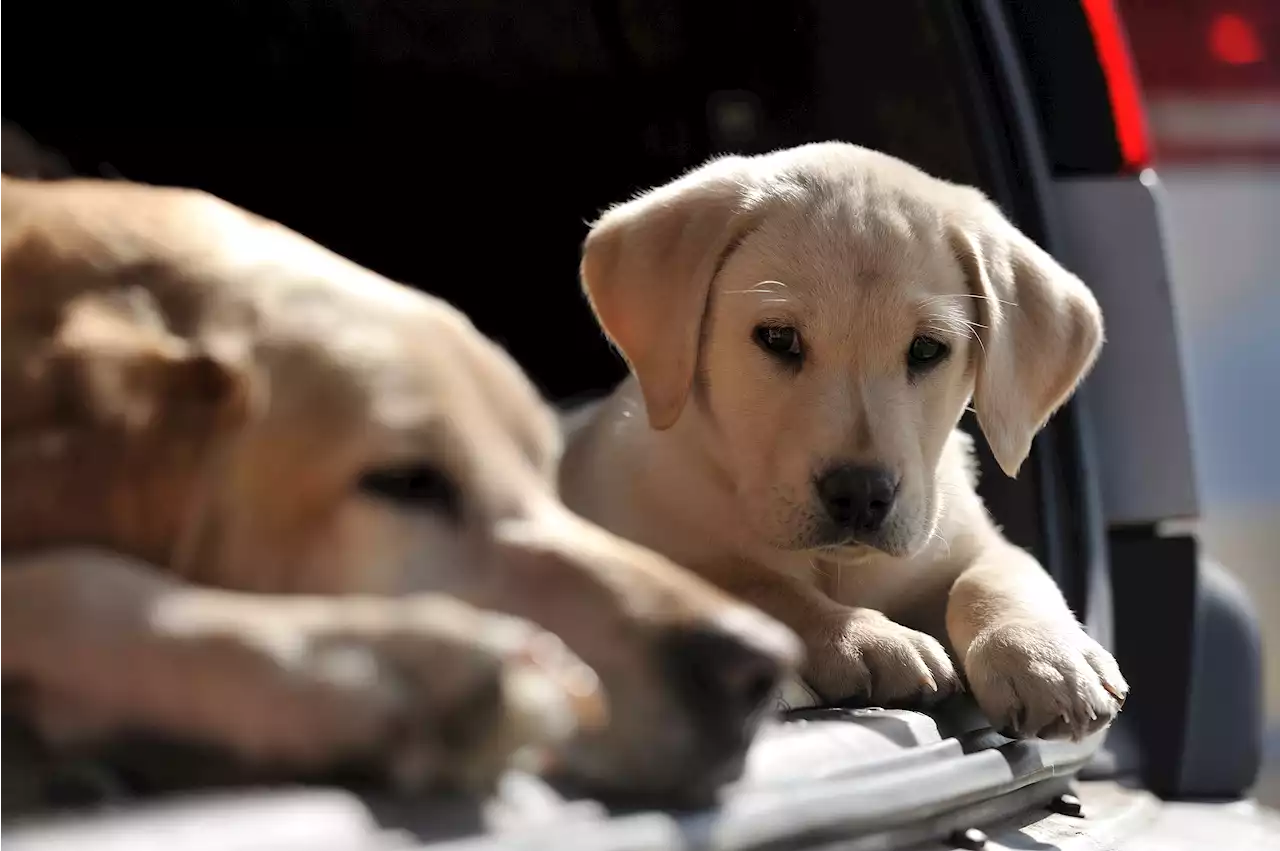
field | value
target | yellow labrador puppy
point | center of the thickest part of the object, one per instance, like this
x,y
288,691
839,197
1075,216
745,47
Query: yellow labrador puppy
x,y
805,329
240,475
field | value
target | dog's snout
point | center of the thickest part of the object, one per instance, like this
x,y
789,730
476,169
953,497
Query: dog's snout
x,y
724,679
857,498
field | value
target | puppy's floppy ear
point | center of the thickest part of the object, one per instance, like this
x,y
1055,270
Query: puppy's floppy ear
x,y
1043,330
647,268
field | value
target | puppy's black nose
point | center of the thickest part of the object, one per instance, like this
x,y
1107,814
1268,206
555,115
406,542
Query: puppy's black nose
x,y
857,499
723,679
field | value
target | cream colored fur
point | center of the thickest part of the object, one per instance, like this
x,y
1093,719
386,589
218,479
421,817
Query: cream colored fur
x,y
708,452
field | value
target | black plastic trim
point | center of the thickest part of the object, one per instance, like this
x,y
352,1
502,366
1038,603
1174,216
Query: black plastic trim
x,y
1157,577
1194,663
1073,548
1070,90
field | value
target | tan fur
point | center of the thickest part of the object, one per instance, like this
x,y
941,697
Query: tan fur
x,y
190,397
860,253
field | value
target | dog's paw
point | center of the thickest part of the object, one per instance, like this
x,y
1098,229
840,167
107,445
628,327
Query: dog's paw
x,y
424,690
1036,680
451,695
421,687
867,656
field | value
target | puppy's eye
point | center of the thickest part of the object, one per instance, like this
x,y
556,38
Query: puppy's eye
x,y
413,486
926,353
781,341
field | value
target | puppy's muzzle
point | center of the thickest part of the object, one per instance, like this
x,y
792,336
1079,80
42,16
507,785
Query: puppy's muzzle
x,y
857,500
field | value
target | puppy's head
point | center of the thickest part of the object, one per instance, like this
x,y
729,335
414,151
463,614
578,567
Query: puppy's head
x,y
217,394
816,320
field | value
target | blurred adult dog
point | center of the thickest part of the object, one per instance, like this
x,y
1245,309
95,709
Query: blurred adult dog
x,y
253,492
804,330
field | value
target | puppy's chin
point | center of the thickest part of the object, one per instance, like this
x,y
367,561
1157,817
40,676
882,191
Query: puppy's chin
x,y
854,549
899,539
920,534
803,531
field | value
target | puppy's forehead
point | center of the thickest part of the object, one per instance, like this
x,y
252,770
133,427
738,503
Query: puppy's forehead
x,y
850,242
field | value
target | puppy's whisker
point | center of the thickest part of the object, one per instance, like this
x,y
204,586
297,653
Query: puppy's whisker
x,y
936,534
762,288
993,299
947,332
954,333
959,326
952,318
958,321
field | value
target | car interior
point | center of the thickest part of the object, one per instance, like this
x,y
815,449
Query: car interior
x,y
463,148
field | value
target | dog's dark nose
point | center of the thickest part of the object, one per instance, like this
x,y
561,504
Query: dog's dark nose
x,y
857,499
723,679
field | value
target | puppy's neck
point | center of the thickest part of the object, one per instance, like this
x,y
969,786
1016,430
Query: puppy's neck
x,y
659,488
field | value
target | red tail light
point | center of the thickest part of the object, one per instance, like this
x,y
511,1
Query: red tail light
x,y
1122,83
1233,40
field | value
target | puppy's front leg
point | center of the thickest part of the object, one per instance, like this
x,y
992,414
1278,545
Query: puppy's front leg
x,y
849,652
1030,665
430,689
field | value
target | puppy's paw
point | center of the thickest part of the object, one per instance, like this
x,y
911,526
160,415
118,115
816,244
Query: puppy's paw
x,y
867,656
1047,681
